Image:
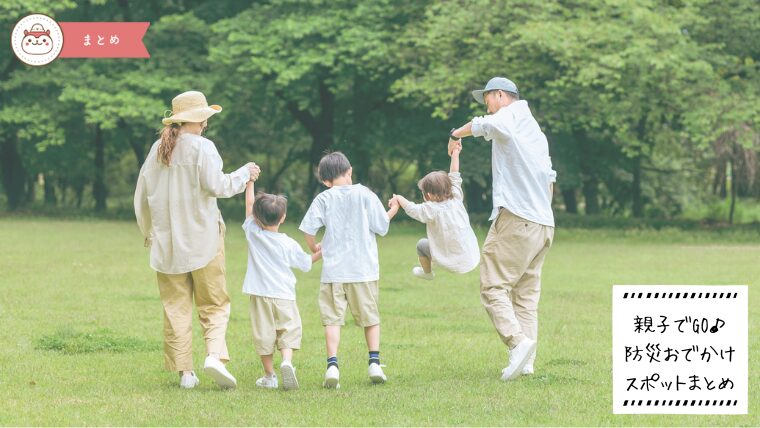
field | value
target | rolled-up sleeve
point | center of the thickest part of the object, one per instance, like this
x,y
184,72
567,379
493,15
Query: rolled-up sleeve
x,y
214,181
482,127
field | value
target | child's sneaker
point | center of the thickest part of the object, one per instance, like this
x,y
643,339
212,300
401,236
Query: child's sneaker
x,y
189,381
332,376
518,357
267,382
420,273
376,374
215,368
288,373
527,370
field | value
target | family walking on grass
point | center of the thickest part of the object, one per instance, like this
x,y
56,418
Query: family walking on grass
x,y
176,210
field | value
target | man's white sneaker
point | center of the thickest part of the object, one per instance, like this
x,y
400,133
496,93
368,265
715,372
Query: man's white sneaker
x,y
332,376
215,368
527,370
267,382
420,273
376,374
518,357
288,373
189,381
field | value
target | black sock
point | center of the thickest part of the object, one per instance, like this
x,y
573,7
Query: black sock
x,y
332,361
374,357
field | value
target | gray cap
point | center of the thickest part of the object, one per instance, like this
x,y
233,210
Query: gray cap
x,y
496,83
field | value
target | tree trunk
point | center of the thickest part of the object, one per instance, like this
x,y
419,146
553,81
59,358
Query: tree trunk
x,y
320,128
571,203
14,176
733,193
49,189
31,186
99,184
79,191
720,175
591,195
637,204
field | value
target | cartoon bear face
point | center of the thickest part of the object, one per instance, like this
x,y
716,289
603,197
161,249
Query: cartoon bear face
x,y
37,42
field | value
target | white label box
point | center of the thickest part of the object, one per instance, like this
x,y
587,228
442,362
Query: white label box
x,y
679,349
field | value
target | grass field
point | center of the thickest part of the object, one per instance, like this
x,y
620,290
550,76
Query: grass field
x,y
80,327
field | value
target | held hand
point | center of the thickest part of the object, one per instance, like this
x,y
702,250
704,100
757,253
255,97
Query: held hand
x,y
457,148
254,170
453,144
317,248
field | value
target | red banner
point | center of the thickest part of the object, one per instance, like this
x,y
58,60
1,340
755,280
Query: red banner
x,y
104,39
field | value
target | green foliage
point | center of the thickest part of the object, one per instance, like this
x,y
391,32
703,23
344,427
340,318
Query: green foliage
x,y
646,103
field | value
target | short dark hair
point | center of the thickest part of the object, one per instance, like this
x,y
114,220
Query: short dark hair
x,y
332,166
514,95
437,184
269,209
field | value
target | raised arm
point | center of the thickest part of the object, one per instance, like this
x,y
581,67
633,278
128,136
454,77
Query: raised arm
x,y
454,167
249,198
420,212
218,184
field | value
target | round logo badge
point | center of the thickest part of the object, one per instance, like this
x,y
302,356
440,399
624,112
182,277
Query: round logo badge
x,y
37,40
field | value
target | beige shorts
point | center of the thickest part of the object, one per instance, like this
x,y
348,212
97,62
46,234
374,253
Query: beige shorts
x,y
276,324
360,297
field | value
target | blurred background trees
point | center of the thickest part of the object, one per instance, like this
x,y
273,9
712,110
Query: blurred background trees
x,y
651,107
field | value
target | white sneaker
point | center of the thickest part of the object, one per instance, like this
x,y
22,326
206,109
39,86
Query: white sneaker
x,y
518,357
288,373
267,382
420,273
527,370
189,381
332,376
376,374
215,368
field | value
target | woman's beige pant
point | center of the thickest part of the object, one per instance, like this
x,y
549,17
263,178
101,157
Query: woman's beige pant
x,y
208,287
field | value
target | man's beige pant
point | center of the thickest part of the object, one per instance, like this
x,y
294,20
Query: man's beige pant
x,y
510,275
209,288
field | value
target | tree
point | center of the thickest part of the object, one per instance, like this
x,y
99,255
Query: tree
x,y
326,61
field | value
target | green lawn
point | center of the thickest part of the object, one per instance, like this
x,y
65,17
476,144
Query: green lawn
x,y
80,327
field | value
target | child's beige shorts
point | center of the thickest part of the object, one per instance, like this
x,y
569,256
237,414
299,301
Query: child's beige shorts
x,y
360,297
276,324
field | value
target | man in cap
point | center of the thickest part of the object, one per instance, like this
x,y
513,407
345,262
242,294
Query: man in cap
x,y
523,228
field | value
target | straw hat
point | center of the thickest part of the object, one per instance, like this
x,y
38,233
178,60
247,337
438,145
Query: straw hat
x,y
190,106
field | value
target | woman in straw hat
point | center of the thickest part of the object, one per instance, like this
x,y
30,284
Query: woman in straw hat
x,y
175,206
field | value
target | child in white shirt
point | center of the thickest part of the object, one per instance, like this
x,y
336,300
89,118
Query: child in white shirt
x,y
352,215
270,282
451,242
